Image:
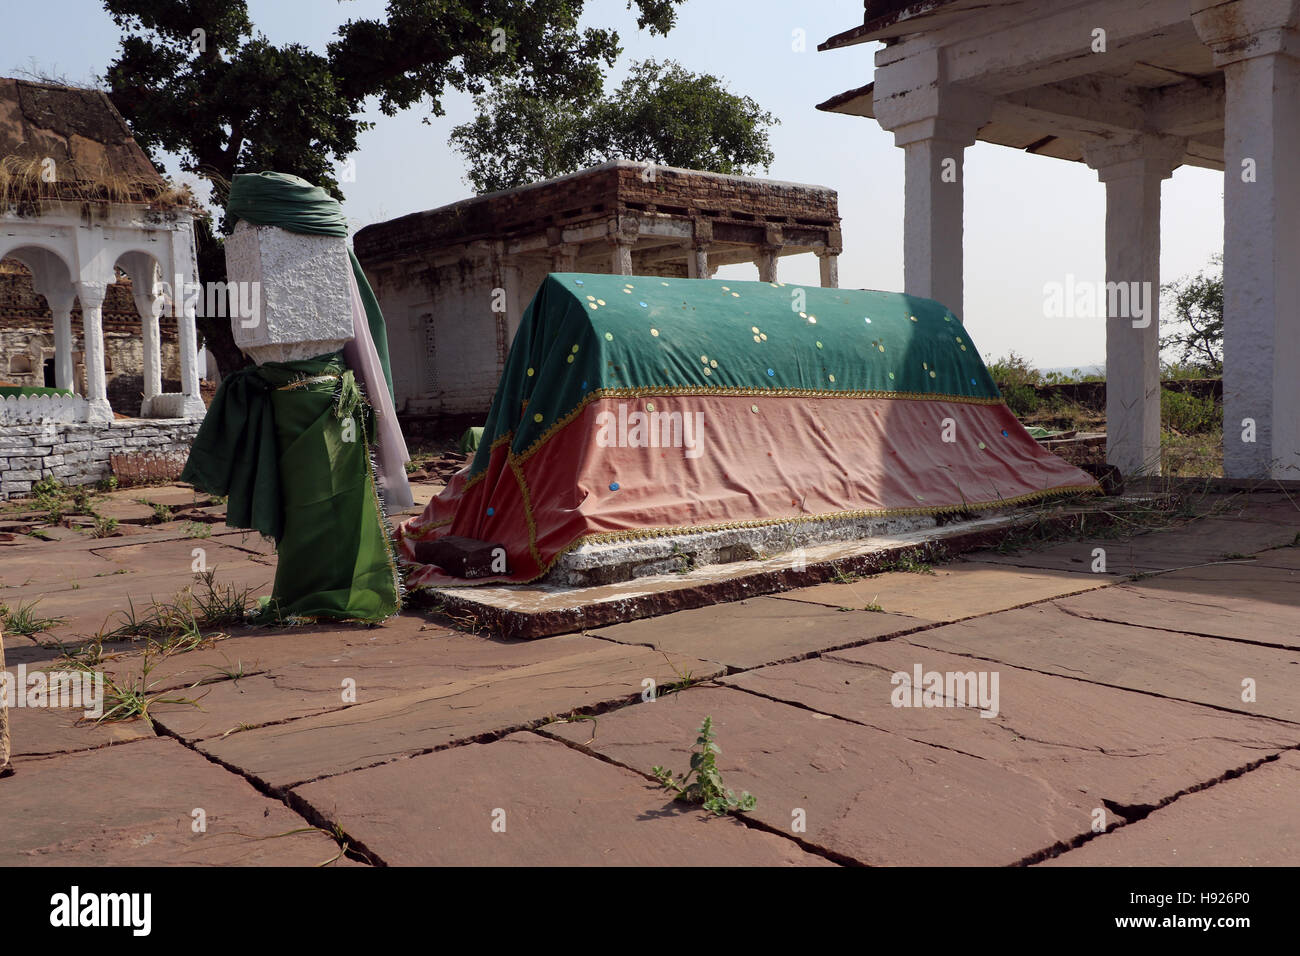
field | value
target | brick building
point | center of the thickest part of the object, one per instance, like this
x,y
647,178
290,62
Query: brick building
x,y
453,282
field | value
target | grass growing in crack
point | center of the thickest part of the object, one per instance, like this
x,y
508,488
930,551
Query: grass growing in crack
x,y
103,527
706,788
135,698
23,620
197,529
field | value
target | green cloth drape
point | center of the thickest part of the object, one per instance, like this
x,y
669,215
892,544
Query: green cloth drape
x,y
278,199
288,442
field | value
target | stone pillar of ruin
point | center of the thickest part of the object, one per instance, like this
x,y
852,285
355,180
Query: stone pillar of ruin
x,y
933,122
1257,45
1133,169
622,258
828,262
91,296
766,262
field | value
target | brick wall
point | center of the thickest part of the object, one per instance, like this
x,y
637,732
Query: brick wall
x,y
79,454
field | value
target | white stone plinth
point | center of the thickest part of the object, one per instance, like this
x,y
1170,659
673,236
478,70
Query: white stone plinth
x,y
298,303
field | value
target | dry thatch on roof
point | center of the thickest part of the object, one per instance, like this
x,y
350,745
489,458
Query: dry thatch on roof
x,y
71,144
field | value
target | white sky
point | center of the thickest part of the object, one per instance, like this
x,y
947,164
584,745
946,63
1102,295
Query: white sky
x,y
1030,220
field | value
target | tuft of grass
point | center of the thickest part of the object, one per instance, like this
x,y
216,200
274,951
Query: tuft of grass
x,y
23,620
104,527
706,788
135,698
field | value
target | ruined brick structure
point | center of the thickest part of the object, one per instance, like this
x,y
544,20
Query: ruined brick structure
x,y
453,282
27,340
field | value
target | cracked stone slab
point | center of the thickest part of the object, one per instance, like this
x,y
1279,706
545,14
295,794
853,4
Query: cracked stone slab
x,y
440,714
38,731
1197,542
757,631
133,805
1076,737
1252,820
958,590
405,640
558,808
1243,601
302,674
865,794
1204,670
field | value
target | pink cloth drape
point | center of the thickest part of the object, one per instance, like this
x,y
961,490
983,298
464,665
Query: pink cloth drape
x,y
391,455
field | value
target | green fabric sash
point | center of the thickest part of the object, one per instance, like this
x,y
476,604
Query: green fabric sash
x,y
278,199
276,440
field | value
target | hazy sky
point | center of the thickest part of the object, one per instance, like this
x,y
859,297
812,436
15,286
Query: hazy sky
x,y
1030,220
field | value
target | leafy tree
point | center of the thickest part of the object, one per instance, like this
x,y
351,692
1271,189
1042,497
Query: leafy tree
x,y
194,79
662,113
1197,318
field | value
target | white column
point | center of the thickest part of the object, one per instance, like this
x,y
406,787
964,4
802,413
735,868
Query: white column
x,y
188,345
1258,47
91,296
61,303
766,262
148,305
933,122
933,213
1133,170
828,263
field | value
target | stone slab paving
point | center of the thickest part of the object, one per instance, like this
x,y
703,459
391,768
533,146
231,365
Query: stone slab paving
x,y
304,674
1247,601
758,631
1198,542
1253,820
44,731
552,806
867,795
952,592
1116,746
1286,558
284,755
133,804
1203,670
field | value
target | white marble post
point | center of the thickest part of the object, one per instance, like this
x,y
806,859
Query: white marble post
x,y
91,296
1133,169
61,302
1257,44
188,345
148,304
933,122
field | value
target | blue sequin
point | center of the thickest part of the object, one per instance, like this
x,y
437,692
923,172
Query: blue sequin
x,y
644,306
613,486
1004,432
771,372
491,512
